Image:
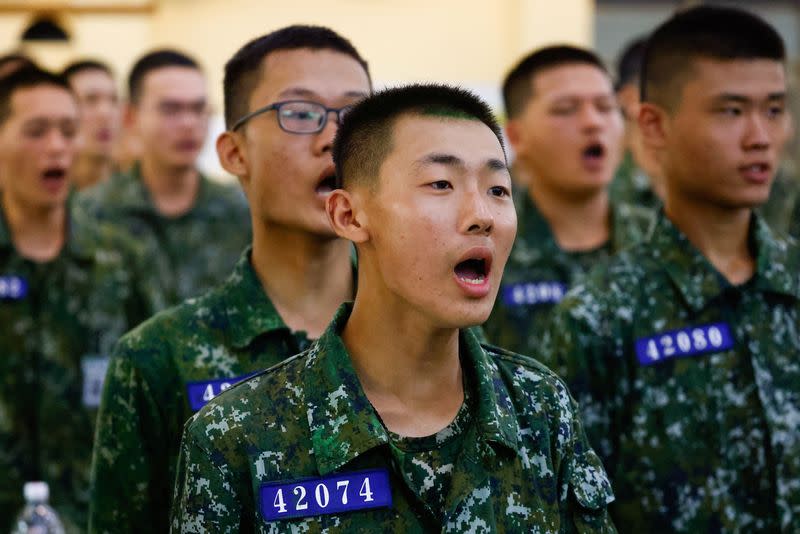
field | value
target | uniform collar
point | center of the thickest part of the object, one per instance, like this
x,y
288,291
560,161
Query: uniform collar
x,y
81,241
250,311
344,425
699,282
129,190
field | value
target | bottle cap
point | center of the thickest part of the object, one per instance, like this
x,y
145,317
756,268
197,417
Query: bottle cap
x,y
36,491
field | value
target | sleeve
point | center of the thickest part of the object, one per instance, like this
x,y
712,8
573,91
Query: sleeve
x,y
204,499
130,481
586,490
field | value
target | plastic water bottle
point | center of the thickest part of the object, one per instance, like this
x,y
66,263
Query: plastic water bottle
x,y
37,517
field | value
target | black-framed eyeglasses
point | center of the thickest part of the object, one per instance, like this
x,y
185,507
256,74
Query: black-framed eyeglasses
x,y
298,116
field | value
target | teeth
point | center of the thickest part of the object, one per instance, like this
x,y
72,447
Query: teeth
x,y
473,281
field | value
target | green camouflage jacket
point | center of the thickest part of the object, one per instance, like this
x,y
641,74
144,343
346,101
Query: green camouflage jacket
x,y
539,273
631,186
689,386
163,372
193,252
58,322
299,448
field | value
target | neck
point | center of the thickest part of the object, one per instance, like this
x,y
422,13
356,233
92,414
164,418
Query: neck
x,y
578,223
305,276
173,190
37,234
89,170
720,234
413,380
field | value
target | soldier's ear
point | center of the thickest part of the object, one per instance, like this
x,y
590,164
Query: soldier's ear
x,y
512,133
653,125
232,157
345,215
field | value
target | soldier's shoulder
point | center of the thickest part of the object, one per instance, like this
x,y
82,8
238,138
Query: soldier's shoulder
x,y
526,372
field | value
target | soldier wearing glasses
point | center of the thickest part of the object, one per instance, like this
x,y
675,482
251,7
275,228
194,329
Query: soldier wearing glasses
x,y
285,94
196,228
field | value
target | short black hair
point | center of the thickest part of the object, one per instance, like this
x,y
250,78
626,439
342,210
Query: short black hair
x,y
76,67
25,78
157,59
243,70
15,57
364,138
518,84
712,32
629,64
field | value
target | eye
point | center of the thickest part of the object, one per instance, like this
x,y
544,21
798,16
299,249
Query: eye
x,y
301,115
731,111
775,111
499,191
441,185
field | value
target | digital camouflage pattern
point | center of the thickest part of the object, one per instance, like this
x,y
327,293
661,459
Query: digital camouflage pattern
x,y
192,252
631,186
703,442
525,465
538,273
58,322
229,332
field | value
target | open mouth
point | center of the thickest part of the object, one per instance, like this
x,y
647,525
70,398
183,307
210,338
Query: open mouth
x,y
594,152
472,271
54,174
327,183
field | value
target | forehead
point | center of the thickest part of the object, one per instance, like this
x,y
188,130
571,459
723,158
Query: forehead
x,y
416,136
91,79
327,75
174,83
751,78
43,101
572,79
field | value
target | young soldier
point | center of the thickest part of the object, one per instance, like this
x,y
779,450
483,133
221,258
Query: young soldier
x,y
94,86
284,94
397,419
69,287
684,350
638,180
566,130
195,228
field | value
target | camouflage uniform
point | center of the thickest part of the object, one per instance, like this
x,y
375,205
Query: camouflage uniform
x,y
515,461
58,322
631,185
192,252
539,273
690,386
160,374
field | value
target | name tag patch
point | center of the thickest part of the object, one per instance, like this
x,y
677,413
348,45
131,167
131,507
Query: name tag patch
x,y
200,393
532,293
689,341
94,375
333,494
13,288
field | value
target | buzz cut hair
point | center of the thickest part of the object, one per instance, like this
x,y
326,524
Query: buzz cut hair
x,y
83,65
245,69
705,32
155,60
26,78
519,82
364,138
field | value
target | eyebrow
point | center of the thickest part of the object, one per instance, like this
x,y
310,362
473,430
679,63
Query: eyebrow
x,y
308,93
450,160
732,97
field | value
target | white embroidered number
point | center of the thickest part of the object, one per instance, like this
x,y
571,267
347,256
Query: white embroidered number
x,y
343,484
715,336
365,491
322,495
666,344
279,503
300,504
652,350
208,394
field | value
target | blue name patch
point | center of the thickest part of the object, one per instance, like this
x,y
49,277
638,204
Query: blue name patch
x,y
13,288
333,494
201,392
689,341
532,293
